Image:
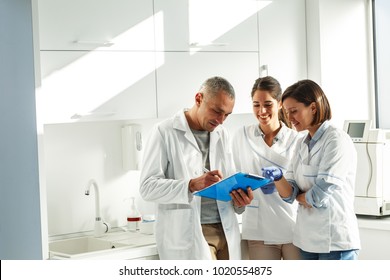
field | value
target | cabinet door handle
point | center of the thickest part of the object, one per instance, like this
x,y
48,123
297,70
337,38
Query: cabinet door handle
x,y
207,44
263,70
78,116
101,43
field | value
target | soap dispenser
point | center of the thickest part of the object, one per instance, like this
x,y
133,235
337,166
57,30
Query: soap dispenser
x,y
133,216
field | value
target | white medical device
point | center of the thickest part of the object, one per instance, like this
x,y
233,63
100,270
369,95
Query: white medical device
x,y
372,188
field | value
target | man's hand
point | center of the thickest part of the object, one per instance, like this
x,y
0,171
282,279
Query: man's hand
x,y
205,180
241,198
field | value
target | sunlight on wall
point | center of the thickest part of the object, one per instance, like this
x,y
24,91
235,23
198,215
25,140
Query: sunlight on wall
x,y
345,59
159,38
78,83
94,77
206,15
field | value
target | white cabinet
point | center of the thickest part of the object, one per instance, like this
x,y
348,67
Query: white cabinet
x,y
374,238
82,85
197,39
236,40
96,24
132,59
282,36
206,25
97,60
180,77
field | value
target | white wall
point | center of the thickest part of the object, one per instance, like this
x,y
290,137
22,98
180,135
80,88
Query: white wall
x,y
78,152
282,41
382,23
339,45
20,206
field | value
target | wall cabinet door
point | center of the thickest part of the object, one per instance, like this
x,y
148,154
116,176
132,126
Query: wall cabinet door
x,y
206,25
243,37
282,33
96,85
96,24
181,75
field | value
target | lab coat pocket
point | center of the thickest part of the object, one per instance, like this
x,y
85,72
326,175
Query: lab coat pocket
x,y
306,176
178,232
250,216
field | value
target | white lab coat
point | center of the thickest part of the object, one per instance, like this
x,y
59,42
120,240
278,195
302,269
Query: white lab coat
x,y
333,227
171,158
268,217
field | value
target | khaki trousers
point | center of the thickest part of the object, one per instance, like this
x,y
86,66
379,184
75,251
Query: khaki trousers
x,y
215,237
259,251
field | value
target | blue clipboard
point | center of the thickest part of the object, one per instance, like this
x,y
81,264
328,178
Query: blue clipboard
x,y
222,189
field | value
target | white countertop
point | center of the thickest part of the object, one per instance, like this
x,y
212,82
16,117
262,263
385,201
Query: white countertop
x,y
370,222
136,246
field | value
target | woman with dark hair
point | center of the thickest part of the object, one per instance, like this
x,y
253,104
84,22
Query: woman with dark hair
x,y
321,179
268,221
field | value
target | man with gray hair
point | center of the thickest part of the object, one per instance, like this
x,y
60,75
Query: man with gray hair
x,y
178,156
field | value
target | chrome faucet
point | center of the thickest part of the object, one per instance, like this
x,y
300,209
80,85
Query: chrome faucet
x,y
101,227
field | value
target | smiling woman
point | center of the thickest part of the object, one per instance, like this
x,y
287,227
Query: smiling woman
x,y
321,178
306,106
268,221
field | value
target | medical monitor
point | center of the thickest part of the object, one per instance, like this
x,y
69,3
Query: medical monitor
x,y
358,130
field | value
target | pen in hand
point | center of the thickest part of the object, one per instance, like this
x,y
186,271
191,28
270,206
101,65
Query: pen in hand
x,y
215,173
207,179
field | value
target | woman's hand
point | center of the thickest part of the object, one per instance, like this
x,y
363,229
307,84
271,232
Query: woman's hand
x,y
272,172
302,200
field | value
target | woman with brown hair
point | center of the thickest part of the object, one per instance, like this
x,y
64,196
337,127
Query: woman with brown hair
x,y
268,221
321,178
